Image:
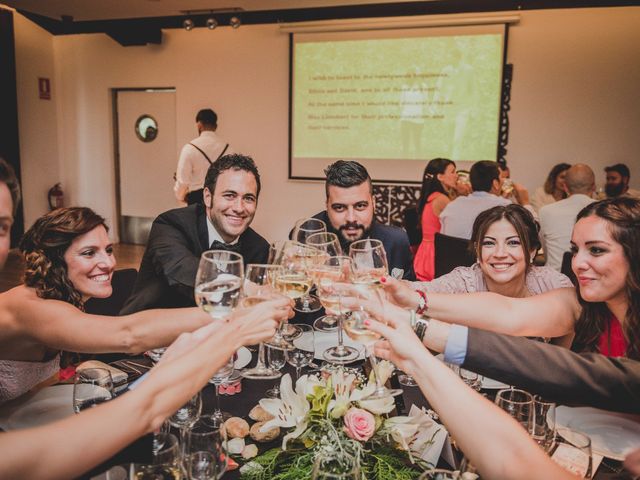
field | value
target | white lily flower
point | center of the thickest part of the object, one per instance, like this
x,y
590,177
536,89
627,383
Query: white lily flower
x,y
402,430
290,410
342,384
377,406
385,369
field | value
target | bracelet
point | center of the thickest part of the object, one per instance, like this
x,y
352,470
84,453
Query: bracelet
x,y
422,324
422,303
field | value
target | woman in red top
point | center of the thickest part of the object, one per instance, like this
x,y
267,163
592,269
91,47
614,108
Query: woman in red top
x,y
604,309
439,176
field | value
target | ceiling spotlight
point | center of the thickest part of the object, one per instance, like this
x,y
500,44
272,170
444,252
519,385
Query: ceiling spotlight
x,y
188,24
234,22
211,23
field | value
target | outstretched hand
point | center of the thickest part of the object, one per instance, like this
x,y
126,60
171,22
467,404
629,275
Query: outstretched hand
x,y
259,322
399,292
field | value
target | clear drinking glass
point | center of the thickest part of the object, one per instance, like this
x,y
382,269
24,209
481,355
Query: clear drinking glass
x,y
304,228
369,263
218,282
543,425
220,377
518,404
206,457
304,349
472,379
166,449
185,417
276,358
91,387
260,286
335,466
573,452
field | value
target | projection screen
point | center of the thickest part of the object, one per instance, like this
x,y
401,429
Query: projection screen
x,y
394,99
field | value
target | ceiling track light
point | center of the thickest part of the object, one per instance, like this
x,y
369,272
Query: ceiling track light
x,y
234,22
188,24
211,23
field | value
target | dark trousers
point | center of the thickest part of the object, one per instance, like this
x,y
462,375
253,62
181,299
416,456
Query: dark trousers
x,y
194,197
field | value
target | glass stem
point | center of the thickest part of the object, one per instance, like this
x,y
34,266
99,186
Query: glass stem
x,y
261,357
183,441
305,301
374,366
217,411
340,334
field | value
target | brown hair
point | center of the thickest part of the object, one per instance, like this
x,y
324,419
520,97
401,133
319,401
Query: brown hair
x,y
8,177
550,182
623,220
523,222
44,246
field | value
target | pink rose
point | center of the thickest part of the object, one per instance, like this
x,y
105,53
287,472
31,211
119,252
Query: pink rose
x,y
359,424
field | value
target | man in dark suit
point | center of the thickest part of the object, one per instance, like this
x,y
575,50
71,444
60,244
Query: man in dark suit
x,y
551,371
350,215
178,237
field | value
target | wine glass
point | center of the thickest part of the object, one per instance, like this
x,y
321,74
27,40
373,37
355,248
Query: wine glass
x,y
334,269
304,228
220,377
304,349
218,282
472,379
166,449
259,286
326,242
518,404
206,457
357,329
543,426
91,387
185,417
573,452
276,358
336,465
369,262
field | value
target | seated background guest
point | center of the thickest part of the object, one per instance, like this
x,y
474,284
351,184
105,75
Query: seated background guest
x,y
69,259
604,310
59,450
553,188
495,443
178,237
458,216
617,181
439,176
557,219
350,215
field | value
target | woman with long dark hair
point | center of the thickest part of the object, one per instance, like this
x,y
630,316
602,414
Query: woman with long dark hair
x,y
553,188
439,176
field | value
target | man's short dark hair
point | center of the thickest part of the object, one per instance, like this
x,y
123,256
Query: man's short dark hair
x,y
346,174
8,177
620,168
233,161
482,175
207,117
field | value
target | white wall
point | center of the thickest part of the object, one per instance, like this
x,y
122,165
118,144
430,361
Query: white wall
x,y
574,99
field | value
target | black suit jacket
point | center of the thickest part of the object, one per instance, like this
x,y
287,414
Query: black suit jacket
x,y
170,262
554,372
394,239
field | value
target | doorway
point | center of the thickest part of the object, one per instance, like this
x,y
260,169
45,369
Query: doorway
x,y
145,158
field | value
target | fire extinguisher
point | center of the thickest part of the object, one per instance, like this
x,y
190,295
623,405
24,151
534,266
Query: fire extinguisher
x,y
56,197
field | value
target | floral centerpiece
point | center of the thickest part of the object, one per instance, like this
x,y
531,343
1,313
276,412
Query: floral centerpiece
x,y
331,413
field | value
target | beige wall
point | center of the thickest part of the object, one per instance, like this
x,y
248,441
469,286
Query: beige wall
x,y
574,99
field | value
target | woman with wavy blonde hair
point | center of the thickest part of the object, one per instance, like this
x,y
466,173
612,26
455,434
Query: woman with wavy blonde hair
x,y
69,259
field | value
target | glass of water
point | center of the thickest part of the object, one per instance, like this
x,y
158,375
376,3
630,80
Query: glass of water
x,y
91,387
219,282
185,417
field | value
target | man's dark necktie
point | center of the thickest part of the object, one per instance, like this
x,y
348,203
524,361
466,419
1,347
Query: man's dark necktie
x,y
217,245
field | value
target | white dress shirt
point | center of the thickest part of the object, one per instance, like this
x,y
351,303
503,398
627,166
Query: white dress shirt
x,y
214,235
556,224
193,166
458,216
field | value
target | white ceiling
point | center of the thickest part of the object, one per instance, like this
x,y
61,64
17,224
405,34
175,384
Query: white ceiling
x,y
111,9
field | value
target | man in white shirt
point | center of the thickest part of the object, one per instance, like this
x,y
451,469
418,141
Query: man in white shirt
x,y
196,157
458,216
557,219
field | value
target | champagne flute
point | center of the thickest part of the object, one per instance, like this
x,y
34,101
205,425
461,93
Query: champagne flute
x,y
356,328
302,354
218,282
304,228
276,357
206,457
220,377
518,404
259,286
91,387
185,417
335,269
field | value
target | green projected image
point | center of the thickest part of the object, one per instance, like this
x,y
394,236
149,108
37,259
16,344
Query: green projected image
x,y
398,98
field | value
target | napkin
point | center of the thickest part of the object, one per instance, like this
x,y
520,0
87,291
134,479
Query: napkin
x,y
431,441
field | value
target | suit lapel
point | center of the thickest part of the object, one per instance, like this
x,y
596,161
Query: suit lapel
x,y
203,234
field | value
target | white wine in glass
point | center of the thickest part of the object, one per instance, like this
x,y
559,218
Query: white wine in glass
x,y
218,282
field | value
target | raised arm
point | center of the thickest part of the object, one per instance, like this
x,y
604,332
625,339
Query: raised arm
x,y
184,369
470,418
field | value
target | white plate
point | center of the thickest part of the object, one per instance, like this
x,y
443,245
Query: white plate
x,y
612,434
244,358
325,340
47,405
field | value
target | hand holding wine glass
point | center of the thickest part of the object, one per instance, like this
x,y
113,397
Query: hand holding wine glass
x,y
305,228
